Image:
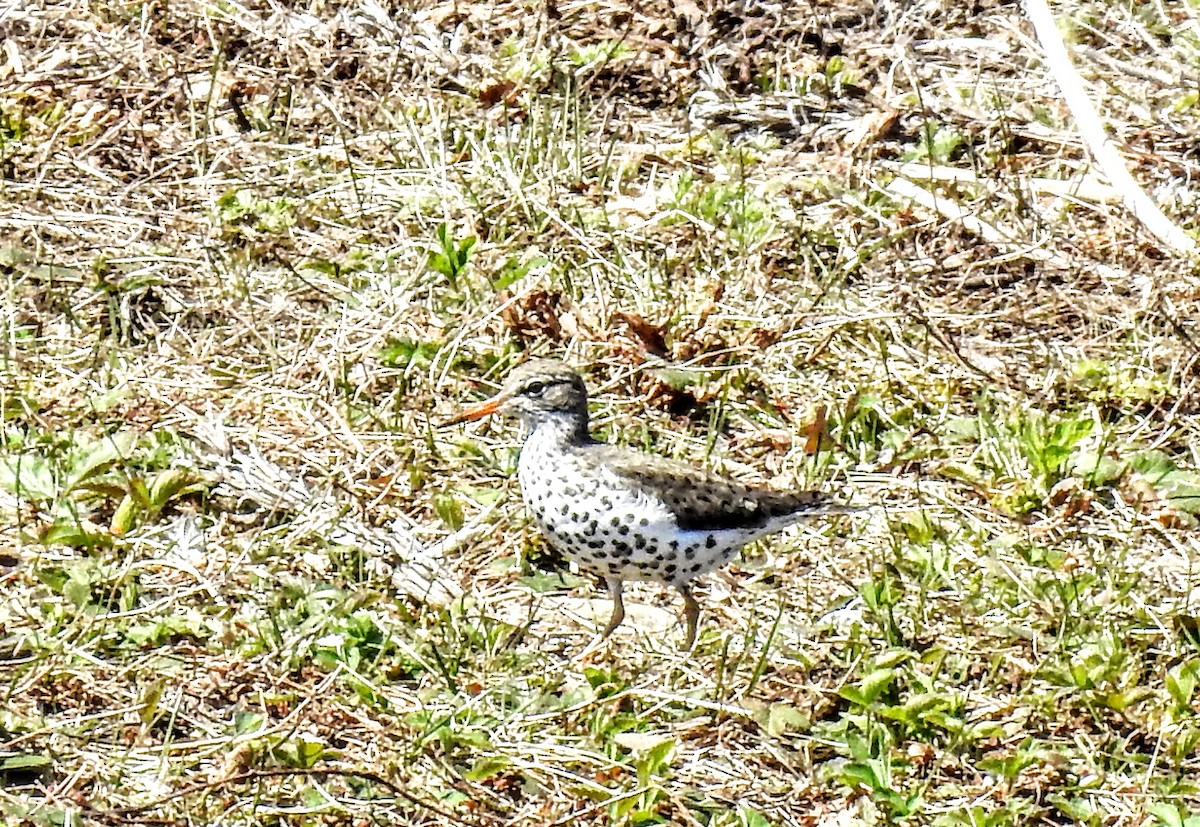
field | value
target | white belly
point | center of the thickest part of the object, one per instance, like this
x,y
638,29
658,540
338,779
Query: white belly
x,y
610,528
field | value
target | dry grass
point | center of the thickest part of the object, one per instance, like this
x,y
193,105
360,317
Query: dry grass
x,y
247,580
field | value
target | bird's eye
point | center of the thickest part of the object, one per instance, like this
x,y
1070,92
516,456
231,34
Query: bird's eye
x,y
535,388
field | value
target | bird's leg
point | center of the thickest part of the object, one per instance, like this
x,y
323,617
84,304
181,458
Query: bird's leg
x,y
615,588
691,613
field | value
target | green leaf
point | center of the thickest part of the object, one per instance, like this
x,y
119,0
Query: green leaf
x,y
655,761
866,774
322,265
750,817
440,263
961,429
1097,469
122,519
1166,813
167,485
514,270
884,590
1182,680
78,592
247,722
1185,495
68,531
150,700
548,582
870,688
487,767
448,509
1126,699
784,717
139,492
309,752
99,456
877,682
1076,809
24,761
452,259
28,475
402,352
1154,465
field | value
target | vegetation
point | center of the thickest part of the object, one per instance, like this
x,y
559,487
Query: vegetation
x,y
253,254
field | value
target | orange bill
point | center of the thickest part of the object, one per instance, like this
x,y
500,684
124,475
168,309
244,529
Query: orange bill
x,y
476,411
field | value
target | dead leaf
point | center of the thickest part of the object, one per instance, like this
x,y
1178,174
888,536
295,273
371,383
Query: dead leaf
x,y
817,429
504,91
872,127
762,337
535,315
651,338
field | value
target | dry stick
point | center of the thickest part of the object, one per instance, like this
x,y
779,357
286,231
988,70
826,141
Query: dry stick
x,y
904,188
1092,130
252,775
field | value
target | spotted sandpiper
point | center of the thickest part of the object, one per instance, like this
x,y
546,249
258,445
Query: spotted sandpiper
x,y
624,514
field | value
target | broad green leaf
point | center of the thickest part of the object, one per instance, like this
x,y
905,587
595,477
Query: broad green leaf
x,y
167,485
784,718
1182,680
29,476
870,688
98,456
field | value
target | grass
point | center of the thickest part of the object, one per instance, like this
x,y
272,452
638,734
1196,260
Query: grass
x,y
254,255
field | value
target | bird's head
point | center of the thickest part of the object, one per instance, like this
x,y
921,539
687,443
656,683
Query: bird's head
x,y
537,391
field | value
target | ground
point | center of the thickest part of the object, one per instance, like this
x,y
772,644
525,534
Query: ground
x,y
255,254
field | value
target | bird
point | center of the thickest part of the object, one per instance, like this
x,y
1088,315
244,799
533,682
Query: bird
x,y
624,514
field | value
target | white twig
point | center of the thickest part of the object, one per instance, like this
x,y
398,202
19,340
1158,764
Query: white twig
x,y
416,570
1092,130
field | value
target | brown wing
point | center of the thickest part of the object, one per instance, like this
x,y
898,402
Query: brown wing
x,y
701,500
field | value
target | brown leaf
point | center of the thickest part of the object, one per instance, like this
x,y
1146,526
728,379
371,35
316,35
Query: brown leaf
x,y
535,315
652,338
505,91
872,127
762,337
817,429
660,395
